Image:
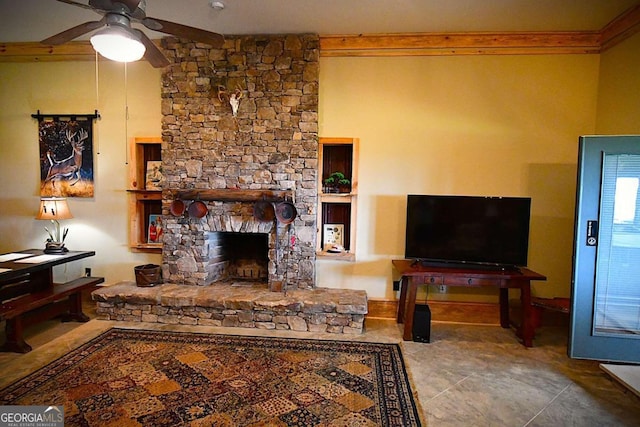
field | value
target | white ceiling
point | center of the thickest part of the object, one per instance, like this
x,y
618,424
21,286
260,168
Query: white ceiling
x,y
34,20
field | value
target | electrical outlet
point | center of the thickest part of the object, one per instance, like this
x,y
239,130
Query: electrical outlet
x,y
87,272
396,285
442,289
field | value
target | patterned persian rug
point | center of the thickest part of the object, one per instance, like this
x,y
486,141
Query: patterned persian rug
x,y
154,378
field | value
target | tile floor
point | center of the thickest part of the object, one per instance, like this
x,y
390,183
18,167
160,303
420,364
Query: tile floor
x,y
469,375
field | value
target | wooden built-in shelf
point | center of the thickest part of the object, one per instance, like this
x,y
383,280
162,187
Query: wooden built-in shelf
x,y
147,247
336,197
344,256
143,202
337,155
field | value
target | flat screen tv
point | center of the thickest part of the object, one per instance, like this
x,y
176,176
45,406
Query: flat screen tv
x,y
469,231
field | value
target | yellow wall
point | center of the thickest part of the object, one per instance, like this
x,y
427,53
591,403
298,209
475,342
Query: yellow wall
x,y
486,125
472,125
99,223
619,89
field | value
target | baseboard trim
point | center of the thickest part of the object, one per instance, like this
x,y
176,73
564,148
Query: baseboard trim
x,y
445,311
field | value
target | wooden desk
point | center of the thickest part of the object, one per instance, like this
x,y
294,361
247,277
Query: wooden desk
x,y
416,275
28,293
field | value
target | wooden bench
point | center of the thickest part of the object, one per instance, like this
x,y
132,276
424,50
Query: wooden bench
x,y
25,303
557,305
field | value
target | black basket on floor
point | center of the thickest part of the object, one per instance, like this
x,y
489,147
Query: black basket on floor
x,y
148,275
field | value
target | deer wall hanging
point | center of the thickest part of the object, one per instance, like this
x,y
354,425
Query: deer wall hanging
x,y
66,155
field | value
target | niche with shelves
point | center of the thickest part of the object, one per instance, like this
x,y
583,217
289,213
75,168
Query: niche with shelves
x,y
337,202
145,195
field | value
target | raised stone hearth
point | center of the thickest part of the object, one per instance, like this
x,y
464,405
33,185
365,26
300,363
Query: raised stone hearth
x,y
235,304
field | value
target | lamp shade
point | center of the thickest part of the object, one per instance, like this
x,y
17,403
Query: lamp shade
x,y
118,43
54,208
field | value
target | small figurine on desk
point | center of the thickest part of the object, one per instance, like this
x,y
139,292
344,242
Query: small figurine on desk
x,y
56,247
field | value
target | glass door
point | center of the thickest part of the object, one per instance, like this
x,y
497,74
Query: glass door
x,y
605,319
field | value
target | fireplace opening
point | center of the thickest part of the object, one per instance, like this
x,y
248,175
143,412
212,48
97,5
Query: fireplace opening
x,y
242,256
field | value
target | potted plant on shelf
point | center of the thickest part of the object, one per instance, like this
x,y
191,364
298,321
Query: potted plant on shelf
x,y
337,183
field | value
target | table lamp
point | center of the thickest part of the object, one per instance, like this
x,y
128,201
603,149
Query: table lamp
x,y
55,209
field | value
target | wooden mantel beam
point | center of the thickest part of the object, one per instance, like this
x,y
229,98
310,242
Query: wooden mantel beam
x,y
234,195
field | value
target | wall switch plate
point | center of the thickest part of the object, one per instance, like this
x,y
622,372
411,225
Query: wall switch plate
x,y
396,285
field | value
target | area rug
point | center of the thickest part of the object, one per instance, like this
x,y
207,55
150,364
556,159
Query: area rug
x,y
156,378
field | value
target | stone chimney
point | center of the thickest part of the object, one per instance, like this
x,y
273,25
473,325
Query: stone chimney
x,y
269,143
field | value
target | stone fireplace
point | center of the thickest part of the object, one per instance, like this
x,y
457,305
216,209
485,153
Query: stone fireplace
x,y
267,150
231,245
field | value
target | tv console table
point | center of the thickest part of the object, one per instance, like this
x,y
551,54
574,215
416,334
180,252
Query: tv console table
x,y
415,275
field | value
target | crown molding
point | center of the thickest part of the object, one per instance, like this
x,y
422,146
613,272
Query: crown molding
x,y
37,52
484,43
621,28
435,44
406,44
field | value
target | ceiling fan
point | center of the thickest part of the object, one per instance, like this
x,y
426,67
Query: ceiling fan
x,y
117,19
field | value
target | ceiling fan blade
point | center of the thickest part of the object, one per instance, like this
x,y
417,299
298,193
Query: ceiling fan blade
x,y
75,3
184,31
152,54
73,32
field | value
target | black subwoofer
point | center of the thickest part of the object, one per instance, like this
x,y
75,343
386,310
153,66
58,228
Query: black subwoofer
x,y
422,323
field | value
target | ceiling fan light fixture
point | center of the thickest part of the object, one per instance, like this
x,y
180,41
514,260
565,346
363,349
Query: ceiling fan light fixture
x,y
118,43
